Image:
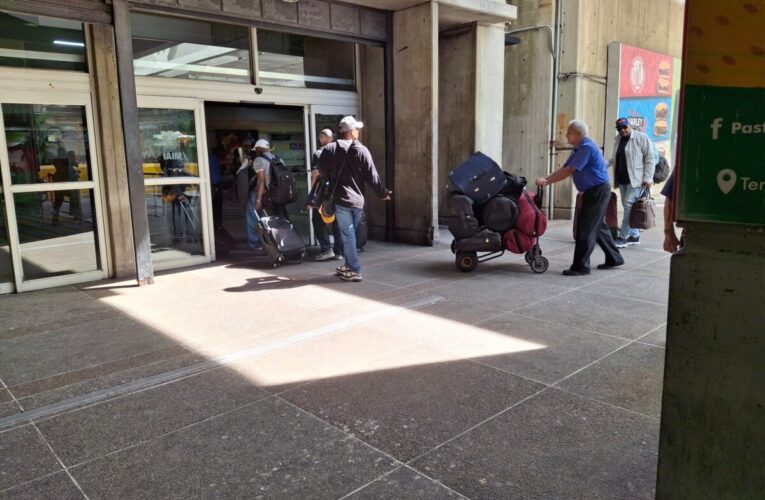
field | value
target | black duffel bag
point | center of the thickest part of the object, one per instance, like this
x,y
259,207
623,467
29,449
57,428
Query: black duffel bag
x,y
514,186
500,213
462,223
484,241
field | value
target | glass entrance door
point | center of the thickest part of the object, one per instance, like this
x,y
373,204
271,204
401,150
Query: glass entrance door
x,y
50,221
172,136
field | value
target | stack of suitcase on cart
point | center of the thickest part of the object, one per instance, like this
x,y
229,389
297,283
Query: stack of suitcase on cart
x,y
492,211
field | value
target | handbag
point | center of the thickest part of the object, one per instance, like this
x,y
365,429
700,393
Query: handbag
x,y
643,214
327,207
662,171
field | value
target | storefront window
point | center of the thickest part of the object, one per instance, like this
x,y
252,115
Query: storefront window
x,y
172,47
303,61
28,41
168,143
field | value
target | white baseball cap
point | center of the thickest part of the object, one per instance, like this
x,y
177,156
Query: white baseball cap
x,y
349,123
262,143
328,133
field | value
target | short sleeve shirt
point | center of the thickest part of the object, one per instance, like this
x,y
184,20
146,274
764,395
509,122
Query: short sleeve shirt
x,y
668,191
315,159
261,164
590,167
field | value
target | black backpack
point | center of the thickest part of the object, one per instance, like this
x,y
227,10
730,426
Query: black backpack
x,y
283,190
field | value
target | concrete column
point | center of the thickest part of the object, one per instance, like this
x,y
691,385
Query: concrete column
x,y
489,89
112,151
415,98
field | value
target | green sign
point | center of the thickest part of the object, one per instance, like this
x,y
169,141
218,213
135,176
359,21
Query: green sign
x,y
722,167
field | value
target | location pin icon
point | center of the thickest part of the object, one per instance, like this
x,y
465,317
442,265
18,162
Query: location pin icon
x,y
726,179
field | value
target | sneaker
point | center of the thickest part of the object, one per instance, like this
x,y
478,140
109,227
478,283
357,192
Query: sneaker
x,y
339,256
350,276
329,255
342,269
633,240
620,242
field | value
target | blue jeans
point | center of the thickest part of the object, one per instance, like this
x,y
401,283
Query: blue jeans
x,y
253,240
629,196
348,219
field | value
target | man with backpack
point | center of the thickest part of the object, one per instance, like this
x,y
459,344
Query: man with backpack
x,y
276,186
349,166
322,230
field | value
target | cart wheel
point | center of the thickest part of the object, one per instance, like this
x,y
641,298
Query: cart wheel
x,y
540,265
454,246
529,258
467,261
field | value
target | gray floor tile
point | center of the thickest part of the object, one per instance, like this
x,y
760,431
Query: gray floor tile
x,y
622,317
634,285
94,431
24,457
56,486
404,483
630,378
5,396
565,349
555,445
9,408
408,410
657,337
75,348
266,450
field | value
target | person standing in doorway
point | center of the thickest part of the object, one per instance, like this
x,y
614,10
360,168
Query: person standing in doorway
x,y
589,171
634,163
349,166
328,249
261,164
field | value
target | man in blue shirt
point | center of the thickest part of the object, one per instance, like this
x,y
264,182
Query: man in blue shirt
x,y
589,170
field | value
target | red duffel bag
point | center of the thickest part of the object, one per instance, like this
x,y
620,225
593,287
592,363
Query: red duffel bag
x,y
531,220
517,242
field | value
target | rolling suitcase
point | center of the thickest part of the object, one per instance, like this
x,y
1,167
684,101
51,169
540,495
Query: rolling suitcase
x,y
478,177
280,240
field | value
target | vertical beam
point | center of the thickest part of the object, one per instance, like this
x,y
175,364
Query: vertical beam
x,y
415,96
129,103
390,128
489,89
112,150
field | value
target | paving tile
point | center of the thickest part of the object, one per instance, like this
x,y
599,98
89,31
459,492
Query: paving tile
x,y
630,378
24,457
96,430
7,409
5,396
53,309
563,349
404,483
406,411
266,450
658,337
634,285
58,486
554,445
55,352
618,316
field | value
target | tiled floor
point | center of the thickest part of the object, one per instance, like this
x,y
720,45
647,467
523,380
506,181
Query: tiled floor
x,y
420,382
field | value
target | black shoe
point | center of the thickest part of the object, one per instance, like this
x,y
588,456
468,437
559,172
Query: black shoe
x,y
571,272
610,266
633,240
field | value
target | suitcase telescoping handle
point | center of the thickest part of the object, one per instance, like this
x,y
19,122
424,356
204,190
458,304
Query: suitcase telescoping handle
x,y
540,195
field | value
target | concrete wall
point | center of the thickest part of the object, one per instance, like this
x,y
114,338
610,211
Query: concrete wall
x,y
456,103
713,410
489,89
588,27
372,85
112,152
415,49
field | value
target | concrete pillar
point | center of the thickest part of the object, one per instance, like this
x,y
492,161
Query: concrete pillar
x,y
415,100
489,89
112,162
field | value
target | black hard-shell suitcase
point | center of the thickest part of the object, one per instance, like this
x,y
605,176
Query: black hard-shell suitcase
x,y
280,240
500,213
484,241
478,177
462,221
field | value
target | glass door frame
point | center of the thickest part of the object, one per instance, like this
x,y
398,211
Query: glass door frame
x,y
78,97
203,181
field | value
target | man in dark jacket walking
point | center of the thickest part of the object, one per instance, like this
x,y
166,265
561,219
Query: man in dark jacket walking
x,y
349,165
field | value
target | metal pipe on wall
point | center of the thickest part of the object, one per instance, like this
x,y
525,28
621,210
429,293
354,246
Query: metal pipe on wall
x,y
554,106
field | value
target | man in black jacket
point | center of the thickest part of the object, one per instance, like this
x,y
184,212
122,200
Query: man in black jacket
x,y
349,165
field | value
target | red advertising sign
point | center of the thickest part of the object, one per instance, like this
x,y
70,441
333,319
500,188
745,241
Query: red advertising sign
x,y
645,73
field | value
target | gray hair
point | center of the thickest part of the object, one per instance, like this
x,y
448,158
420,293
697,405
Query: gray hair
x,y
579,126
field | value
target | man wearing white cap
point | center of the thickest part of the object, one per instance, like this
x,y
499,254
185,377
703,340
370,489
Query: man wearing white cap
x,y
349,165
328,250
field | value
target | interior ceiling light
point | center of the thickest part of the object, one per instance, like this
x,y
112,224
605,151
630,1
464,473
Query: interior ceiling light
x,y
290,1
68,44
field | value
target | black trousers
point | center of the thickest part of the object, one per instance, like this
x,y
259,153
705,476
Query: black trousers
x,y
591,228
